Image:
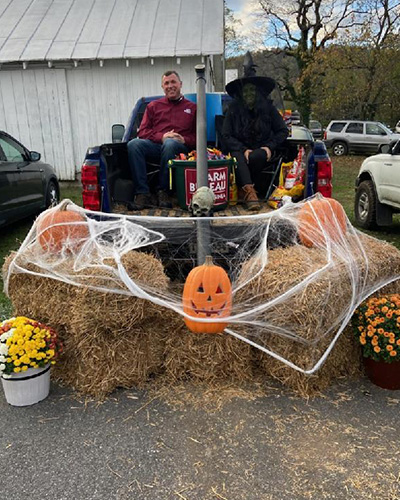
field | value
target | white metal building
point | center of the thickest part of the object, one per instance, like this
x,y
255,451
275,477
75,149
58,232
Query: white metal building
x,y
69,69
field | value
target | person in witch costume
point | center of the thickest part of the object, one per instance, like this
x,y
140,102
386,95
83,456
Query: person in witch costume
x,y
253,128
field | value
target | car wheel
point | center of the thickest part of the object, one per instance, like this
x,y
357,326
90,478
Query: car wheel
x,y
365,205
52,197
339,149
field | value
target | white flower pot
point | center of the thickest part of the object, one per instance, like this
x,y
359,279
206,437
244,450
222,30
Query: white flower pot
x,y
27,388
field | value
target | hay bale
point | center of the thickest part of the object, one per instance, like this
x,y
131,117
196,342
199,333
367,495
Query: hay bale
x,y
98,362
81,307
44,299
312,311
115,311
110,340
113,340
211,358
344,362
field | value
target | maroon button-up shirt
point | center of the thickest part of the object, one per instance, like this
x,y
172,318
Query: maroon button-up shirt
x,y
163,115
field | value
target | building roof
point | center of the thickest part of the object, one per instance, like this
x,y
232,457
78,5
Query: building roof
x,y
51,30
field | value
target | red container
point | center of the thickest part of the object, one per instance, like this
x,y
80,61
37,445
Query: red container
x,y
385,375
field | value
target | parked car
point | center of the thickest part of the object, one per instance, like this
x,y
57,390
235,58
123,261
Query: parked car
x,y
316,129
346,136
27,185
378,188
397,127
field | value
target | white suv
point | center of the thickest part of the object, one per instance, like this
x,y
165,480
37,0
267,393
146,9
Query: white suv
x,y
378,188
345,136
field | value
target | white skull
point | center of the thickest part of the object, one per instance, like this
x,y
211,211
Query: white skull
x,y
202,202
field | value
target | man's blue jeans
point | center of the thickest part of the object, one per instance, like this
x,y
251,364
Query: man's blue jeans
x,y
140,150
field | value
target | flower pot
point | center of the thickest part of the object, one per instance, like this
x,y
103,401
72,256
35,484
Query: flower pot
x,y
386,375
27,388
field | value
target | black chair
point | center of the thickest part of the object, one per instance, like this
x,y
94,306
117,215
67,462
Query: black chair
x,y
273,175
123,191
219,139
153,168
271,170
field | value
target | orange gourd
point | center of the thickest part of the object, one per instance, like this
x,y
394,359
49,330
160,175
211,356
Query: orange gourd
x,y
319,219
207,294
60,228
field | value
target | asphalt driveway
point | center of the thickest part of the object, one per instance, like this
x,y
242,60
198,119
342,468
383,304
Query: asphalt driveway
x,y
342,445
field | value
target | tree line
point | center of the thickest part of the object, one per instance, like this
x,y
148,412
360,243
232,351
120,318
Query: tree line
x,y
332,59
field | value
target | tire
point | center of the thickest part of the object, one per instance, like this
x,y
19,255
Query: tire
x,y
52,194
365,205
339,149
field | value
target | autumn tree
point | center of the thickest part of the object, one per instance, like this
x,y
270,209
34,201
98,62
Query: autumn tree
x,y
233,41
359,76
302,28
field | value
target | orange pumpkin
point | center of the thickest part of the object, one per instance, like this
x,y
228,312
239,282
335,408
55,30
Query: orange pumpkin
x,y
207,294
61,228
321,218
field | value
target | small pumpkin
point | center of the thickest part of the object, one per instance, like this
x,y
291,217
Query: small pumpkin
x,y
207,294
59,228
321,218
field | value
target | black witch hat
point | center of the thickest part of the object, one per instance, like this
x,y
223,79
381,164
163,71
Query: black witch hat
x,y
265,84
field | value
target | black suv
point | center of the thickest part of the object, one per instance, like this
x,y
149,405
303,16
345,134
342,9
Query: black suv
x,y
27,185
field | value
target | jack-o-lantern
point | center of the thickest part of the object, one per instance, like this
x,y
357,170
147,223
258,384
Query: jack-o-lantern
x,y
207,294
321,219
59,228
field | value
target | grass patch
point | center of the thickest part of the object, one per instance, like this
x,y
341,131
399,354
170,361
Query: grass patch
x,y
72,192
345,170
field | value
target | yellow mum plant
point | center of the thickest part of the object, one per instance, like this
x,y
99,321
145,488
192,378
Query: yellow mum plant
x,y
376,324
25,343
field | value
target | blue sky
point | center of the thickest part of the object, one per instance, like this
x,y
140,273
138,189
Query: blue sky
x,y
244,10
235,4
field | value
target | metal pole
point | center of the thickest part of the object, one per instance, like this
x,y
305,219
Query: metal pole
x,y
203,226
201,127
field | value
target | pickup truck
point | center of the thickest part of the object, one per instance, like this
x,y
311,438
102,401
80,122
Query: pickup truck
x,y
378,188
106,178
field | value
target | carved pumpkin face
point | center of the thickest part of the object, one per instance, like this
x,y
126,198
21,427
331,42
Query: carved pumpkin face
x,y
207,294
320,219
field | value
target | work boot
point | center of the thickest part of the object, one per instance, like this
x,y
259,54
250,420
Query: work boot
x,y
142,201
163,199
250,197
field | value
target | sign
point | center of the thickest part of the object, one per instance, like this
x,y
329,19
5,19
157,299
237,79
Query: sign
x,y
217,182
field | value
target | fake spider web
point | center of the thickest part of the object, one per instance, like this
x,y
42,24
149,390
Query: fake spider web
x,y
295,281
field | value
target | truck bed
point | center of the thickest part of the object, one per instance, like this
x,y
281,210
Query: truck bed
x,y
231,210
229,238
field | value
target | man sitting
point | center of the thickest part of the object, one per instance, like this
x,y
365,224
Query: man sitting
x,y
167,129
